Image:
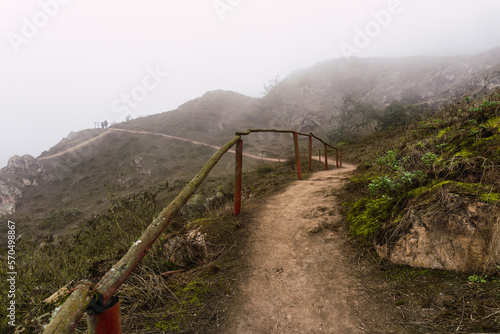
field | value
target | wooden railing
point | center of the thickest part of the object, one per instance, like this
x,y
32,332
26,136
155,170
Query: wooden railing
x,y
104,315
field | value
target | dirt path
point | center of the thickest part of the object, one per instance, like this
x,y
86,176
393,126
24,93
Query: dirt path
x,y
299,277
111,130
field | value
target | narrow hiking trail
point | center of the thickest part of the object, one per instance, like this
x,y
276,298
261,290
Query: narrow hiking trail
x,y
299,276
114,130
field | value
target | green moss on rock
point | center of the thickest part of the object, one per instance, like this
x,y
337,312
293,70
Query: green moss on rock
x,y
366,216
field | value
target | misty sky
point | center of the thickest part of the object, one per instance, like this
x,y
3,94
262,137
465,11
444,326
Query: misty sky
x,y
66,64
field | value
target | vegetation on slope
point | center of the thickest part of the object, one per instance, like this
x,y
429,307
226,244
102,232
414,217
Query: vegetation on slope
x,y
77,184
456,149
406,169
190,301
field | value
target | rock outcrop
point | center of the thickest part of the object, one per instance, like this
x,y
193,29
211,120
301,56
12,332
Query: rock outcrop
x,y
185,250
24,165
21,172
462,235
9,197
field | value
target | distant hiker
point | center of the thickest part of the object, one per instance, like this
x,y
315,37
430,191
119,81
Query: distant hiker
x,y
105,123
102,125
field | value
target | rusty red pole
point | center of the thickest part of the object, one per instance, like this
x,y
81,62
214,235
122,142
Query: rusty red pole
x,y
108,321
310,152
337,154
326,157
297,154
238,177
340,158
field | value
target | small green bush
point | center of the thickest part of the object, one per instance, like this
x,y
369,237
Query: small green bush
x,y
429,158
383,184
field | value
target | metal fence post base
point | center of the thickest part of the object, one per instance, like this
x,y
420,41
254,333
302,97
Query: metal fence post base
x,y
108,321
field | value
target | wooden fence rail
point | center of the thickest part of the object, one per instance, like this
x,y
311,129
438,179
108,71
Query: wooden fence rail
x,y
85,296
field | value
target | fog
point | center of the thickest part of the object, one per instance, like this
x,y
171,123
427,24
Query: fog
x,y
66,64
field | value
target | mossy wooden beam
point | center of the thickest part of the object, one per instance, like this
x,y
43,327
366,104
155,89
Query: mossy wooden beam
x,y
271,130
322,141
72,310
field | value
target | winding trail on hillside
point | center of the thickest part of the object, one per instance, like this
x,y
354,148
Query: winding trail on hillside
x,y
114,130
299,276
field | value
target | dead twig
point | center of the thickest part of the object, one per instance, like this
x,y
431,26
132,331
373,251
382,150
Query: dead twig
x,y
462,317
169,273
364,330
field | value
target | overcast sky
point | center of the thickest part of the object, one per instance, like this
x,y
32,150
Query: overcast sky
x,y
66,64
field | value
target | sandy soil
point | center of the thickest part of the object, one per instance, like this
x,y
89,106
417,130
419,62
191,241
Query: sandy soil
x,y
300,274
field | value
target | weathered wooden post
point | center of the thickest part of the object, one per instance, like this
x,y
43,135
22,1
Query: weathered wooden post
x,y
319,154
310,152
297,154
238,177
71,311
326,157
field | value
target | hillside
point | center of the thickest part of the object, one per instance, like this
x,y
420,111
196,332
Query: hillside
x,y
444,168
311,99
308,98
427,196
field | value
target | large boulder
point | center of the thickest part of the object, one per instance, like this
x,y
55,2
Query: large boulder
x,y
458,234
25,165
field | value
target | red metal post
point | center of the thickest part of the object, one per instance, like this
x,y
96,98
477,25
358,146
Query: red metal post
x,y
107,322
326,157
310,152
238,177
337,154
297,154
